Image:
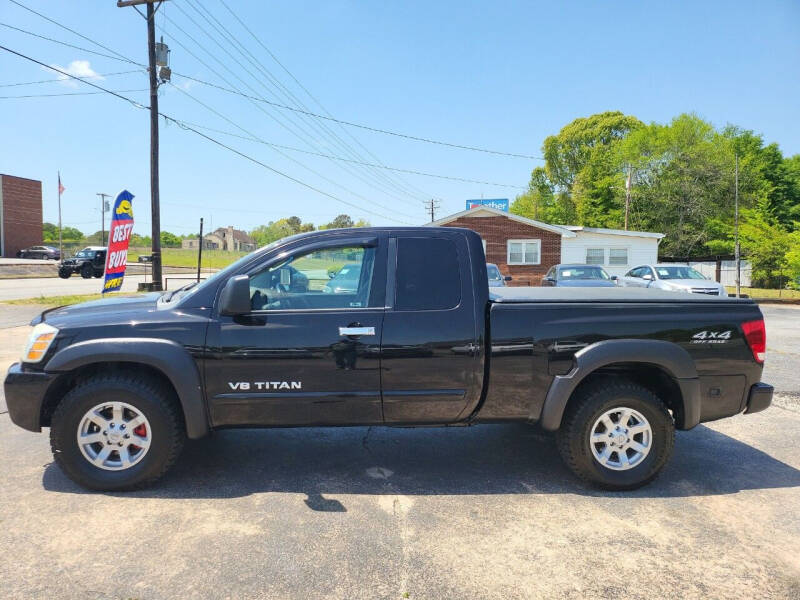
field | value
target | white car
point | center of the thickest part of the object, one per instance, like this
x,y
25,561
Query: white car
x,y
674,278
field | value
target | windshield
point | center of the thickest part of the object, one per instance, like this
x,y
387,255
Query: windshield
x,y
85,254
573,273
493,271
678,273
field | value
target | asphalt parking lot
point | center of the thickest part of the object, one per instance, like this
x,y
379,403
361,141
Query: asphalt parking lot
x,y
482,512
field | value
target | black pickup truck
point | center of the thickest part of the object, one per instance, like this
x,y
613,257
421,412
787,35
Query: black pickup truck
x,y
418,341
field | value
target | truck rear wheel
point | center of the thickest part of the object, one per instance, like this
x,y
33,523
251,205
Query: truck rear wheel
x,y
116,432
616,435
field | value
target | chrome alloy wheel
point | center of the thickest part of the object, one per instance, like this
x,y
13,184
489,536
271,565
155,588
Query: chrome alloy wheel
x,y
621,439
114,436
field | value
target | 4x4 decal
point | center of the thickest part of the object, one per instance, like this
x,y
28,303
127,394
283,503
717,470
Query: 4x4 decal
x,y
712,337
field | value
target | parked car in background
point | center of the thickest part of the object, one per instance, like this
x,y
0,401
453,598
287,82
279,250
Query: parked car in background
x,y
673,278
577,276
496,278
345,281
40,252
89,262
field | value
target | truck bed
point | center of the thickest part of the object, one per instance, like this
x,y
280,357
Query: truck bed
x,y
511,295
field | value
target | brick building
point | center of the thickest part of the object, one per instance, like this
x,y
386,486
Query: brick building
x,y
526,249
20,214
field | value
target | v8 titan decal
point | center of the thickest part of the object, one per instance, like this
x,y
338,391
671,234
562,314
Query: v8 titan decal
x,y
265,385
712,337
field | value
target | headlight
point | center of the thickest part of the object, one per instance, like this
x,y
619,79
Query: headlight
x,y
39,342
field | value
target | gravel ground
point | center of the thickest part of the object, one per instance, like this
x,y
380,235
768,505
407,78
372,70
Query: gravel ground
x,y
482,512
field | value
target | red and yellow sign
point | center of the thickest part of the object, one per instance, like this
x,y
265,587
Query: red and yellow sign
x,y
119,235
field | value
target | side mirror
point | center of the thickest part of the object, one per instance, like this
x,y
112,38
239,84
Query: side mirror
x,y
647,277
508,278
235,297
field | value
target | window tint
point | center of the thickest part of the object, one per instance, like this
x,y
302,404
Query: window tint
x,y
428,276
493,272
326,278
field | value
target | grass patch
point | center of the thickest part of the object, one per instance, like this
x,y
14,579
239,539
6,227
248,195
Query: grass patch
x,y
65,300
180,257
765,293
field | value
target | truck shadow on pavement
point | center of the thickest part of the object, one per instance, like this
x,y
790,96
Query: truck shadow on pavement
x,y
486,459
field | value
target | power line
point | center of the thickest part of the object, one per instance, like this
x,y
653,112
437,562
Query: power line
x,y
331,156
201,134
254,137
351,124
378,165
122,58
294,128
68,94
68,45
62,26
99,75
399,184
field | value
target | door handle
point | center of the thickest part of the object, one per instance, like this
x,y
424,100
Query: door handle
x,y
356,331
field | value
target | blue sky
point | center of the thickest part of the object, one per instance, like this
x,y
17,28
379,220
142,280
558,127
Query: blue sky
x,y
500,75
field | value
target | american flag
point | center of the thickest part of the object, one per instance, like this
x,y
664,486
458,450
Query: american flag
x,y
61,188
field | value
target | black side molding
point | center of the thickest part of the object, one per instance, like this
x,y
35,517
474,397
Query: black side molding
x,y
666,355
170,358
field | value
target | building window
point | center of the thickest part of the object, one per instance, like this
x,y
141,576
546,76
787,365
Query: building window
x,y
618,257
524,252
595,256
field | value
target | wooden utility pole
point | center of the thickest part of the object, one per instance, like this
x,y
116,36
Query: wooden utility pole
x,y
738,256
155,204
431,206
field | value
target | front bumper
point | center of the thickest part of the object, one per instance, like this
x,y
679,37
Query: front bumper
x,y
25,391
759,399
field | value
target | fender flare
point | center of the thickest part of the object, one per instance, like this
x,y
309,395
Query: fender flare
x,y
669,356
168,357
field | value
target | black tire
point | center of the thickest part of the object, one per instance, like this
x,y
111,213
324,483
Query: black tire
x,y
150,398
98,274
64,273
87,271
586,408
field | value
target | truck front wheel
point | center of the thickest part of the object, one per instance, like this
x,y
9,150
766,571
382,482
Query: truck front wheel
x,y
616,434
116,432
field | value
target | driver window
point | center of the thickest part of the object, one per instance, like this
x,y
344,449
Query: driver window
x,y
326,278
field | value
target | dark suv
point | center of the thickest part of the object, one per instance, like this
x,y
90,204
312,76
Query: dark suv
x,y
89,262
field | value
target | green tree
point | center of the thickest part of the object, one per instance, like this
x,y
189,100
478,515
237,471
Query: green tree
x,y
170,240
542,203
765,244
68,234
568,152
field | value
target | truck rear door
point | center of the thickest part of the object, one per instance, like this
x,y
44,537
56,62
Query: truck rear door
x,y
431,367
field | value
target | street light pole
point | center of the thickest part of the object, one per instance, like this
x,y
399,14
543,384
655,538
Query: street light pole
x,y
155,203
103,217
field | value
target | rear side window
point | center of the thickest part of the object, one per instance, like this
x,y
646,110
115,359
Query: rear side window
x,y
428,276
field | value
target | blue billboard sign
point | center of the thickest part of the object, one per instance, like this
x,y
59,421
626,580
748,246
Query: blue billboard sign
x,y
496,203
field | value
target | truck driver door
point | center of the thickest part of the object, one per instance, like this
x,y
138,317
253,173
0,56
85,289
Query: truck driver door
x,y
309,351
